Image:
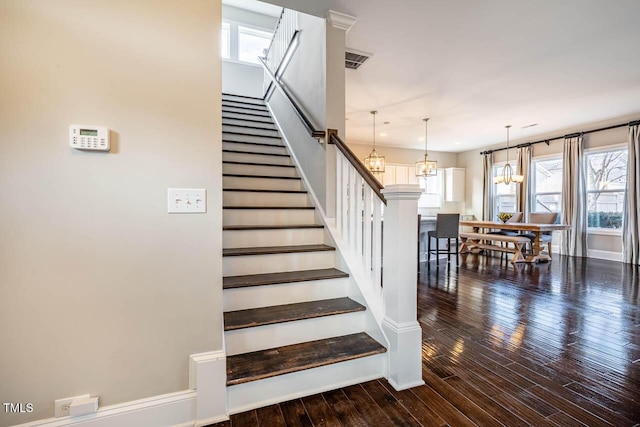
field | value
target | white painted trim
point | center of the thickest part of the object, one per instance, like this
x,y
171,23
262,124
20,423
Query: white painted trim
x,y
609,255
400,387
341,21
177,409
208,421
208,376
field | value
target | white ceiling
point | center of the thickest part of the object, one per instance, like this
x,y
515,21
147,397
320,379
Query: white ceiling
x,y
474,66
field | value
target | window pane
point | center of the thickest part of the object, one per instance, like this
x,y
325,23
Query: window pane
x,y
547,202
606,171
505,203
225,41
505,195
605,209
547,176
251,44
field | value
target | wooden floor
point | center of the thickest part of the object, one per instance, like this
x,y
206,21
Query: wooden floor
x,y
542,345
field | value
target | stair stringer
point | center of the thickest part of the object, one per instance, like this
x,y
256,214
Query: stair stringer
x,y
365,292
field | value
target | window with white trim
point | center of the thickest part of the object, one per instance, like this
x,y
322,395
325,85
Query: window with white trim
x,y
252,43
546,190
243,43
606,173
504,196
225,41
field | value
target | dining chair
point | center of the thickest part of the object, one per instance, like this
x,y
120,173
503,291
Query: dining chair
x,y
447,227
542,218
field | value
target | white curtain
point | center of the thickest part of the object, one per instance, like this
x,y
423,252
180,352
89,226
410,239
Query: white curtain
x,y
523,196
574,198
631,217
487,191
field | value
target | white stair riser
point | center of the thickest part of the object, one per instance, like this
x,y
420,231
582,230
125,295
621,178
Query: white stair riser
x,y
238,116
287,333
278,237
236,98
252,131
261,183
243,198
240,122
284,293
258,170
233,103
249,138
274,263
237,109
268,216
240,146
256,158
256,394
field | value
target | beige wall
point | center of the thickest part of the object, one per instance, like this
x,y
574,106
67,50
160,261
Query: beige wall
x,y
102,291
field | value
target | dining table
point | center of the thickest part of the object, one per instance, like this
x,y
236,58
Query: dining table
x,y
537,252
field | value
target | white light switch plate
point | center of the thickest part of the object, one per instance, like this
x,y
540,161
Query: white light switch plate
x,y
187,200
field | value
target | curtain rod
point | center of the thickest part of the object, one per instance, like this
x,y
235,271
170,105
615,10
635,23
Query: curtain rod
x,y
570,135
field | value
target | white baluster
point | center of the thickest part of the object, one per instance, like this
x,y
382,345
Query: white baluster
x,y
367,230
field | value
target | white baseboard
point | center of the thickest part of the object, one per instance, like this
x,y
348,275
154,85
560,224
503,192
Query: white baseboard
x,y
173,409
203,405
612,256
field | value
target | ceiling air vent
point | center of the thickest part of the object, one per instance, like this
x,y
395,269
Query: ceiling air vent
x,y
354,58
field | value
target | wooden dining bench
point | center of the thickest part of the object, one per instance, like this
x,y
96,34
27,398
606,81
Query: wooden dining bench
x,y
487,241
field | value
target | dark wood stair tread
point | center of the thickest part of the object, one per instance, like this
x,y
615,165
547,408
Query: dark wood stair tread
x,y
258,153
251,134
249,127
260,144
257,190
271,227
269,250
225,109
249,318
233,282
258,365
237,175
247,120
245,105
256,164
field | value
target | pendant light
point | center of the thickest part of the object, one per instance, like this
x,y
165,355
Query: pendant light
x,y
426,167
508,176
373,161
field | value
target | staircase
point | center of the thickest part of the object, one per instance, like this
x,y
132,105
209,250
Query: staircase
x,y
294,324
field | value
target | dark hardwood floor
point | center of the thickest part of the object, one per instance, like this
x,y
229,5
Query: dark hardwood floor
x,y
553,344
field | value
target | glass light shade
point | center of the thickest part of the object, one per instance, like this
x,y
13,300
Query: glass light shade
x,y
374,163
508,176
426,167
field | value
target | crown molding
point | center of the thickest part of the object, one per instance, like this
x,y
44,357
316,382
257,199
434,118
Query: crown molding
x,y
341,21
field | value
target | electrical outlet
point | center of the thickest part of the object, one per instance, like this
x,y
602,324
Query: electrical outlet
x,y
63,406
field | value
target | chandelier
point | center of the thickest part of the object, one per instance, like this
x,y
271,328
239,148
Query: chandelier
x,y
373,161
426,167
508,175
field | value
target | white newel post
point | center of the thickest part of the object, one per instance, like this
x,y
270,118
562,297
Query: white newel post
x,y
399,285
